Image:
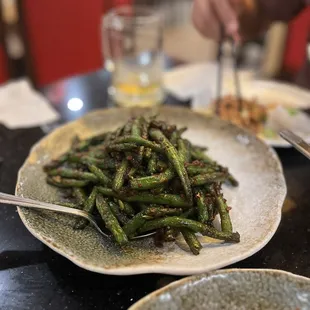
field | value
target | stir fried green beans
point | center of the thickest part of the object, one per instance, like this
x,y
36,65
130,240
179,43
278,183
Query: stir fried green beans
x,y
145,177
102,177
153,181
191,240
110,220
119,178
175,160
88,207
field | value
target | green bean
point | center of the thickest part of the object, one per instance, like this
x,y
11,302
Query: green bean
x,y
126,208
202,179
80,146
203,215
199,148
193,170
122,218
109,137
98,152
110,220
79,195
177,135
156,212
189,213
136,129
73,174
173,221
117,133
156,180
211,208
175,160
184,148
65,183
102,177
144,128
56,162
88,207
178,222
200,155
132,196
127,128
139,142
119,178
106,163
151,168
135,223
158,125
232,180
174,138
197,154
181,131
122,147
224,214
191,240
96,139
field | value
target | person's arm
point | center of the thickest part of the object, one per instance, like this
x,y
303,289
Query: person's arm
x,y
283,10
242,18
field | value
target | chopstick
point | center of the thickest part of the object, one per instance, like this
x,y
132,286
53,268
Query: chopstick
x,y
219,77
219,86
236,76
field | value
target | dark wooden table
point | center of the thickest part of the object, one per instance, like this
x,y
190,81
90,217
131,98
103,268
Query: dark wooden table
x,y
34,277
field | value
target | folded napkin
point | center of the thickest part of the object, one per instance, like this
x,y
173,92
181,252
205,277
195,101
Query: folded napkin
x,y
21,106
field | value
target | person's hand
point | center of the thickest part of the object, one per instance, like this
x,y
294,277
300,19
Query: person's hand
x,y
238,18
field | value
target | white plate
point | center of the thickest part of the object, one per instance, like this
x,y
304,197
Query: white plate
x,y
199,83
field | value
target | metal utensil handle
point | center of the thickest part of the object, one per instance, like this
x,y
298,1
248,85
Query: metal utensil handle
x,y
30,203
296,141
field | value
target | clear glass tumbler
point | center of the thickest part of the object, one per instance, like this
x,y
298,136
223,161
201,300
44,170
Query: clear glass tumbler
x,y
132,45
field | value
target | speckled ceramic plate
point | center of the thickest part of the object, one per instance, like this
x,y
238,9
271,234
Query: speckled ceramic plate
x,y
232,289
256,202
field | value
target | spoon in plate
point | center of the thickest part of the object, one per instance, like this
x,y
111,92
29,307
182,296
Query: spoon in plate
x,y
30,203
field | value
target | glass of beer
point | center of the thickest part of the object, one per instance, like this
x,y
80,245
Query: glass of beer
x,y
132,48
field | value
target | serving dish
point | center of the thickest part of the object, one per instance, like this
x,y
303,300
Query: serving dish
x,y
256,203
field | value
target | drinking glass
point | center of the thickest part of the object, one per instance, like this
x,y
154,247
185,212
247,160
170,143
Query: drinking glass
x,y
132,45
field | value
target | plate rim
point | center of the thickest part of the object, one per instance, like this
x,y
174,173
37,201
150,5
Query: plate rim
x,y
137,305
131,270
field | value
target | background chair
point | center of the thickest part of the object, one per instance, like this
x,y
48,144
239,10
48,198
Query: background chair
x,y
62,38
4,74
296,43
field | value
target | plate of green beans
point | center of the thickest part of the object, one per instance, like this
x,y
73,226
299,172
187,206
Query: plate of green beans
x,y
209,193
